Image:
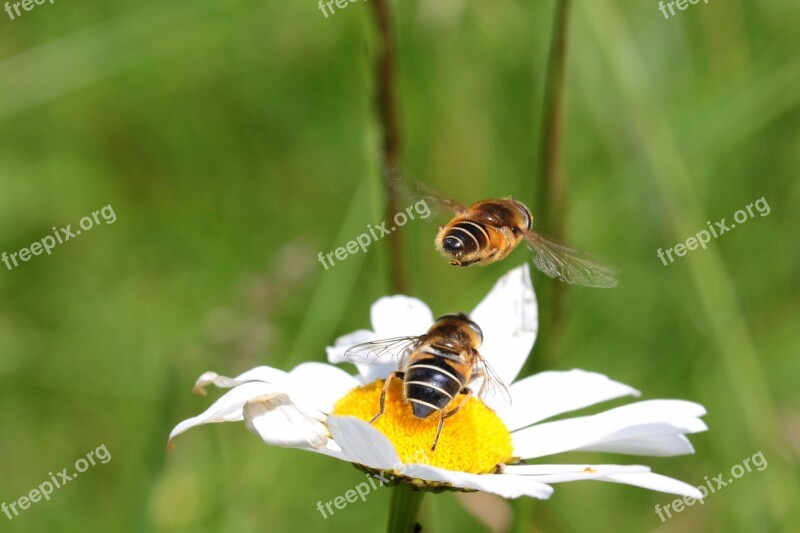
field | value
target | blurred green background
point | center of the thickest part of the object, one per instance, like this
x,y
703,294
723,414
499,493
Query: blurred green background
x,y
236,140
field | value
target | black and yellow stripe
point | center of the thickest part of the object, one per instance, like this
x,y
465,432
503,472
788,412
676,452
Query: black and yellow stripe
x,y
431,384
466,237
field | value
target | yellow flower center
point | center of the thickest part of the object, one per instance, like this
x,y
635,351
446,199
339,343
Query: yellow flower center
x,y
473,440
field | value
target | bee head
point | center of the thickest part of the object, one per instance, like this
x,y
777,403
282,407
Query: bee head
x,y
526,213
464,319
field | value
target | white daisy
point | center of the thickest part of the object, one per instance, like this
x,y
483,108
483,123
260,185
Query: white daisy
x,y
321,408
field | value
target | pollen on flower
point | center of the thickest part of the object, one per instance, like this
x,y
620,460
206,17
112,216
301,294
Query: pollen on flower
x,y
473,440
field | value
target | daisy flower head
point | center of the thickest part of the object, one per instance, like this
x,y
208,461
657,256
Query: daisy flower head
x,y
487,445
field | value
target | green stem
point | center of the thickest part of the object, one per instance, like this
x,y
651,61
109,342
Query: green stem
x,y
404,510
552,195
552,188
387,105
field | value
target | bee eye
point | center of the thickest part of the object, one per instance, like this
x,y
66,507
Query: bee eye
x,y
477,329
453,245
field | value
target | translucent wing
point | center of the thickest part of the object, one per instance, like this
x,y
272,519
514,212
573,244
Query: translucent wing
x,y
387,350
570,266
417,191
440,203
491,388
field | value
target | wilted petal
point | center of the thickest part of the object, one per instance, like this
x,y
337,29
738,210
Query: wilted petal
x,y
227,409
547,394
509,319
278,421
505,485
628,422
260,373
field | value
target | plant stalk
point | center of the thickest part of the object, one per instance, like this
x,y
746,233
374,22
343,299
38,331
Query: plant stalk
x,y
406,502
552,189
385,81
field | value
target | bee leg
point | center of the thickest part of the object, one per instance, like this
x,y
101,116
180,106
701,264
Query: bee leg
x,y
386,385
467,394
438,431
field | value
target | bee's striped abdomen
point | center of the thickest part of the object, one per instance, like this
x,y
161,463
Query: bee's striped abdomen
x,y
431,384
465,237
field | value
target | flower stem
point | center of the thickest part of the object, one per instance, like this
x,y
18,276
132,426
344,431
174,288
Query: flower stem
x,y
552,187
404,510
385,80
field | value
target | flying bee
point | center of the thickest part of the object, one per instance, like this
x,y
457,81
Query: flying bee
x,y
487,231
437,369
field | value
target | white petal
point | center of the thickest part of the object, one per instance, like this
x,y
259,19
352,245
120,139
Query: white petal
x,y
551,473
226,409
392,316
370,373
548,394
636,475
363,444
280,422
657,482
320,385
509,319
666,441
657,439
505,485
398,316
331,449
638,420
336,352
260,373
584,476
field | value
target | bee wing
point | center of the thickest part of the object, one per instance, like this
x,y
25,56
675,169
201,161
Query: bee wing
x,y
568,265
440,203
418,191
492,390
395,349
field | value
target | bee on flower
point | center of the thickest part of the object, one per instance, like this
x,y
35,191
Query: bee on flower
x,y
492,446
